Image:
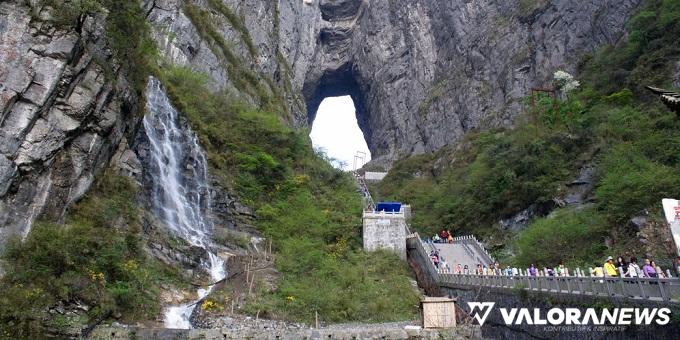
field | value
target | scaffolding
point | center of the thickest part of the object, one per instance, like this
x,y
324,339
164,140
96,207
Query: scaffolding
x,y
359,160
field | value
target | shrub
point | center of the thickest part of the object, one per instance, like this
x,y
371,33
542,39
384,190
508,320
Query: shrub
x,y
632,183
623,97
509,171
94,258
569,236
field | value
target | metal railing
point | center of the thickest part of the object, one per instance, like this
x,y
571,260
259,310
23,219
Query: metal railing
x,y
635,288
471,239
639,288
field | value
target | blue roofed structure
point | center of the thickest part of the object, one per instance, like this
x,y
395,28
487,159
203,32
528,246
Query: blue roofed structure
x,y
392,207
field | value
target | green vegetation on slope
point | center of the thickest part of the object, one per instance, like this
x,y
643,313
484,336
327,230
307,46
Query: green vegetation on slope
x,y
243,78
96,258
611,122
235,22
579,231
646,58
311,211
496,174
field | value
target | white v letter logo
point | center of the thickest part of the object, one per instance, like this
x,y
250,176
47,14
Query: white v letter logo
x,y
484,310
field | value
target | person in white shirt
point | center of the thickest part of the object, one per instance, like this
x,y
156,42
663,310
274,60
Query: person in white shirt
x,y
633,268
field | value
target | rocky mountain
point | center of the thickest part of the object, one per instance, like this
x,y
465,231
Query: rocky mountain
x,y
421,74
62,118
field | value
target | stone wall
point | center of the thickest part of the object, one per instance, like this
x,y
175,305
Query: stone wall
x,y
419,261
394,331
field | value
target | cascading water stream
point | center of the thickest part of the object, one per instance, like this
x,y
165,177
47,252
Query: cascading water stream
x,y
181,195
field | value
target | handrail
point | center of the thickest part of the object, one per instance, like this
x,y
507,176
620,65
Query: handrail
x,y
638,288
655,289
471,239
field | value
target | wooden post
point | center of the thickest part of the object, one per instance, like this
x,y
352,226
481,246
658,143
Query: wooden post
x,y
316,317
247,272
232,305
250,288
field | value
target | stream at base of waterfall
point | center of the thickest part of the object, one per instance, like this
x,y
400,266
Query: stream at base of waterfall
x,y
181,195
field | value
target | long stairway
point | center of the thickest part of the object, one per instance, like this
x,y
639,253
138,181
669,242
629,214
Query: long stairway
x,y
369,204
464,251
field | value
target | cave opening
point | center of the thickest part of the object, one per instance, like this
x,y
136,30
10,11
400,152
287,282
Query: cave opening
x,y
337,115
335,131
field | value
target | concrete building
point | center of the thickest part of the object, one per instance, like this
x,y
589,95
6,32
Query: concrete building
x,y
374,176
384,230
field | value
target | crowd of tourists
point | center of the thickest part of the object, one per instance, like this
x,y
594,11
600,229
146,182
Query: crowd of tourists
x,y
622,268
610,268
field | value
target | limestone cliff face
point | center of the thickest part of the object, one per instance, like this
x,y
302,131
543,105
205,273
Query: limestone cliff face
x,y
421,72
61,117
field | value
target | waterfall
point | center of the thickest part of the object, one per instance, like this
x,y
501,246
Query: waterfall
x,y
179,175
